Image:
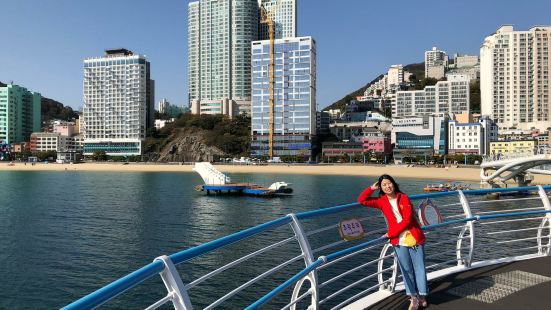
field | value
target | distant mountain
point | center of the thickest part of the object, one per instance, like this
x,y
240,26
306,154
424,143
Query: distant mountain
x,y
52,109
417,69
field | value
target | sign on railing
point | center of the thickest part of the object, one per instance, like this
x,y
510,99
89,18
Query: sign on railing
x,y
351,229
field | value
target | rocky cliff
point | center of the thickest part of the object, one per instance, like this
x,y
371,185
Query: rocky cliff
x,y
188,144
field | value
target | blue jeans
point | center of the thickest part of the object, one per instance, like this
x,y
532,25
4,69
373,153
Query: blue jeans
x,y
412,266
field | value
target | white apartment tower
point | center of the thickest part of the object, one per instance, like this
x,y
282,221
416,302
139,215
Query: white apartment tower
x,y
284,15
435,59
395,75
451,96
118,103
514,77
220,33
163,105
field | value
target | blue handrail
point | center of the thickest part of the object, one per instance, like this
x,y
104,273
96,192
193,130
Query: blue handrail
x,y
119,286
330,257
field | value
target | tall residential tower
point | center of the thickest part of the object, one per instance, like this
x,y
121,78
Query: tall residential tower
x,y
514,77
19,114
284,15
220,33
118,103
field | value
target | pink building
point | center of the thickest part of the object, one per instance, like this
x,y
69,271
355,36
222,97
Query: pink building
x,y
65,129
376,141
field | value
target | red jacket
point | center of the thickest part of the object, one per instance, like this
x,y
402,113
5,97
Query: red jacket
x,y
409,221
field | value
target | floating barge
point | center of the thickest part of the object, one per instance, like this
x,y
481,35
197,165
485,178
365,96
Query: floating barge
x,y
218,183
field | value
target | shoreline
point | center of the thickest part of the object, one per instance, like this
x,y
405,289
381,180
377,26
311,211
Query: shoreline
x,y
418,172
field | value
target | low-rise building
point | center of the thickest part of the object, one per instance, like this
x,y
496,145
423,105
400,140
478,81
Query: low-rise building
x,y
512,148
471,137
544,139
47,141
64,128
160,123
354,131
339,149
376,141
420,136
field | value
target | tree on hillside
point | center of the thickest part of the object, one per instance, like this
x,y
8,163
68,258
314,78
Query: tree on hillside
x,y
474,96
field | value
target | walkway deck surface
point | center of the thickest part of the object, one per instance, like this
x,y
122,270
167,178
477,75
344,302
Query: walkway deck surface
x,y
518,285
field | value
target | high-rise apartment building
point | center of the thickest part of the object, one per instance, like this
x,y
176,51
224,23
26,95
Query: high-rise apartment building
x,y
19,114
118,103
436,61
284,15
295,97
514,77
220,33
451,96
395,75
163,105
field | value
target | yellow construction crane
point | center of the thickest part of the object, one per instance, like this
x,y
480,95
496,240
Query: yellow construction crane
x,y
266,18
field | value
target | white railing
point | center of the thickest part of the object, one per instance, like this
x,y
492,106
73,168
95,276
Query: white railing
x,y
322,271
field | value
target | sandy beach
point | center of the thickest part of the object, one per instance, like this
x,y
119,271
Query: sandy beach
x,y
427,173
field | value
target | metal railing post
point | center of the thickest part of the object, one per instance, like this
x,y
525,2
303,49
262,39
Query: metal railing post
x,y
380,267
462,261
308,260
175,287
546,222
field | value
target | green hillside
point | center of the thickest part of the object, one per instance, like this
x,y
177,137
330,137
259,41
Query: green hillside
x,y
417,69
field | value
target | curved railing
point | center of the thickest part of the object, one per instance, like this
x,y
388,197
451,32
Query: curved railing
x,y
327,260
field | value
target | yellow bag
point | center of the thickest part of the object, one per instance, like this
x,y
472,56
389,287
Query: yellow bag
x,y
409,240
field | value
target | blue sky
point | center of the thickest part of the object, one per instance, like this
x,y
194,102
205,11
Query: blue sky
x,y
44,42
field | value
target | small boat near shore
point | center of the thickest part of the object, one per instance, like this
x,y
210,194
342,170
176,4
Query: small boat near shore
x,y
218,183
446,187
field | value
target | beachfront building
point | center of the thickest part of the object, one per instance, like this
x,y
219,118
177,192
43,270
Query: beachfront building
x,y
424,136
118,103
508,148
19,114
220,33
376,141
451,96
436,62
284,15
349,150
471,137
295,97
515,78
48,141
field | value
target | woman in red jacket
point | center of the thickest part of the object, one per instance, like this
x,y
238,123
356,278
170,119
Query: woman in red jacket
x,y
405,235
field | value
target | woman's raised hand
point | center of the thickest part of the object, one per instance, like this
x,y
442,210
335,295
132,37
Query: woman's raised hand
x,y
375,186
